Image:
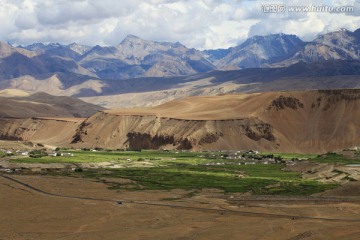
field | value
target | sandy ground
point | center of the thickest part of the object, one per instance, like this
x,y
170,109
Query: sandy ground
x,y
26,214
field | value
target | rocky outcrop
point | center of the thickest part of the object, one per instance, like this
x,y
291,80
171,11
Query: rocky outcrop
x,y
331,98
79,131
138,140
153,132
259,131
282,102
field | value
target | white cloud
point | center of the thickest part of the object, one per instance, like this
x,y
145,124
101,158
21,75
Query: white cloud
x,y
195,23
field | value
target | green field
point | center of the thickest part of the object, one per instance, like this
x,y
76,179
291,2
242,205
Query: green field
x,y
118,156
331,158
258,179
292,155
337,158
188,170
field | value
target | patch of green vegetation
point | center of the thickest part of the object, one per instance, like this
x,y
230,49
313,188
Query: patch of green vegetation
x,y
105,156
190,171
336,158
2,154
265,171
292,155
257,179
165,178
37,154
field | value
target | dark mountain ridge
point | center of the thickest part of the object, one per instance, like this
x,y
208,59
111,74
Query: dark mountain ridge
x,y
135,57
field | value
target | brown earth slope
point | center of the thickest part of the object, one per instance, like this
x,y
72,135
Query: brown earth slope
x,y
303,121
55,132
45,105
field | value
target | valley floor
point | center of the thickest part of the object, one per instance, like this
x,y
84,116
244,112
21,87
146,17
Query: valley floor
x,y
29,214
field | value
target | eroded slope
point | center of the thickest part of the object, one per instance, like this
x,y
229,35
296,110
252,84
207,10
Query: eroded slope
x,y
303,121
314,121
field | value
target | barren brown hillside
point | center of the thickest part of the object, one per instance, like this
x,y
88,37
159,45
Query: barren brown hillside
x,y
54,132
302,121
45,105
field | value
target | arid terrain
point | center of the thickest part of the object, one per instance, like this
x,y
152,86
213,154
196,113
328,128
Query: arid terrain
x,y
179,120
103,194
150,215
302,121
43,105
199,185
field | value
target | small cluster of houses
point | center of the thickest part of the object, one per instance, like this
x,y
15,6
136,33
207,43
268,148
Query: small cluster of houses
x,y
39,169
246,158
240,163
48,152
15,152
58,154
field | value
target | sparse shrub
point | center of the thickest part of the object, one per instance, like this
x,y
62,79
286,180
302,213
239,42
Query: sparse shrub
x,y
37,154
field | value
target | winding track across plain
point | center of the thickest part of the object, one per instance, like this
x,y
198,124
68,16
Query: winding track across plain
x,y
222,211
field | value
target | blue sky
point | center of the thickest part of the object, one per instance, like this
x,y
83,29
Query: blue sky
x,y
202,24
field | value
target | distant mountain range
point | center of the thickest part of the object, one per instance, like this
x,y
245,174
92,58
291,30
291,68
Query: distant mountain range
x,y
137,65
135,57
